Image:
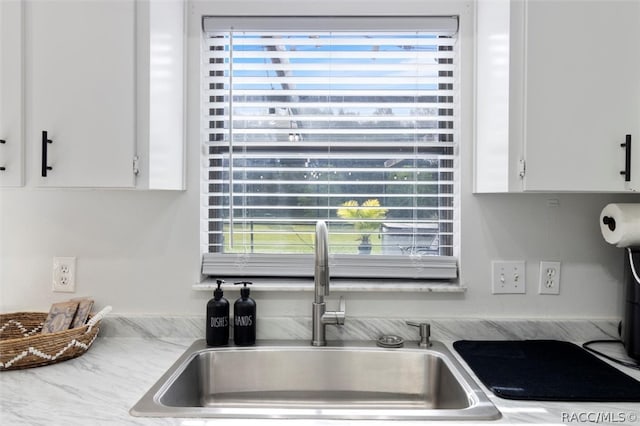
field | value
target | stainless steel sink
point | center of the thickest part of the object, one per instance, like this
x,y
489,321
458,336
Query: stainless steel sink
x,y
346,380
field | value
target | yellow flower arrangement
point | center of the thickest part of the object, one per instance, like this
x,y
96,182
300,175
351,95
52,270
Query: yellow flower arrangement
x,y
365,218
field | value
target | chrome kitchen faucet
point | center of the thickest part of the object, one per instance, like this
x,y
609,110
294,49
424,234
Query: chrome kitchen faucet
x,y
321,317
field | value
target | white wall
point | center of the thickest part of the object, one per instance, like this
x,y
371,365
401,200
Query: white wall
x,y
139,252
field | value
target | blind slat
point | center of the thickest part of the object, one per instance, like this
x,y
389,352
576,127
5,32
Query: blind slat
x,y
322,92
338,131
427,66
333,144
276,120
308,39
330,195
346,105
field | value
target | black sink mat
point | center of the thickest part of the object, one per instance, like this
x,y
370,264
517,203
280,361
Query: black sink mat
x,y
546,370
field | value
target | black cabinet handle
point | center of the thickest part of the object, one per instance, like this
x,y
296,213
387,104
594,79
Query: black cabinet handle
x,y
627,159
45,142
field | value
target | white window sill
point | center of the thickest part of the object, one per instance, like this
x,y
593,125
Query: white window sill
x,y
337,285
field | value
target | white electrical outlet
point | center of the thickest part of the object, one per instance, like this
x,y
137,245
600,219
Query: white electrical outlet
x,y
64,274
508,277
549,278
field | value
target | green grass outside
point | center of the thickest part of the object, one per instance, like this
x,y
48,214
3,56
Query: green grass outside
x,y
285,238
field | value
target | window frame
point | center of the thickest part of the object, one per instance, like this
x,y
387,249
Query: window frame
x,y
403,8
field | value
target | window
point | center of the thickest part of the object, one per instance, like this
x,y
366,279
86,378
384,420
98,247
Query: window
x,y
348,120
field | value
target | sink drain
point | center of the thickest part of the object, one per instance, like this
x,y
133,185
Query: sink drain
x,y
390,341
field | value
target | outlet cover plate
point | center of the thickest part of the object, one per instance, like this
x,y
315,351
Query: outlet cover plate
x,y
64,274
549,278
508,277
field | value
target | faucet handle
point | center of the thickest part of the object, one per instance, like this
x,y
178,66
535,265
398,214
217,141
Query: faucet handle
x,y
425,332
340,313
335,317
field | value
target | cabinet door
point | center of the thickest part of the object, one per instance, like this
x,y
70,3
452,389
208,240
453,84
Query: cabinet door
x,y
582,92
11,138
80,90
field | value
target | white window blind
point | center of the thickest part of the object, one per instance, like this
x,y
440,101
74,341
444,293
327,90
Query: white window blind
x,y
348,120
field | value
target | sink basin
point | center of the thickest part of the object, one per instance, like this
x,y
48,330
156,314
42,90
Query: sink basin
x,y
288,379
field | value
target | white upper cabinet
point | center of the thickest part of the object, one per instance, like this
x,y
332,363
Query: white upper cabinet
x,y
573,97
582,94
11,125
79,58
104,89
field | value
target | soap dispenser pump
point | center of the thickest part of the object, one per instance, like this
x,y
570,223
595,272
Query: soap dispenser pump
x,y
244,317
218,318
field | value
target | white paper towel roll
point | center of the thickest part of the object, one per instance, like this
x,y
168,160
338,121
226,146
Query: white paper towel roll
x,y
620,224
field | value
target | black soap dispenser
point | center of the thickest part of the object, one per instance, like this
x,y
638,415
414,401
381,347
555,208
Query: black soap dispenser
x,y
244,317
218,318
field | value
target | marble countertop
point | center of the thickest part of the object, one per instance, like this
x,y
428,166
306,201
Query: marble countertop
x,y
99,387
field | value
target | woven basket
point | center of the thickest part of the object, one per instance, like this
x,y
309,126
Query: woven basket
x,y
22,345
